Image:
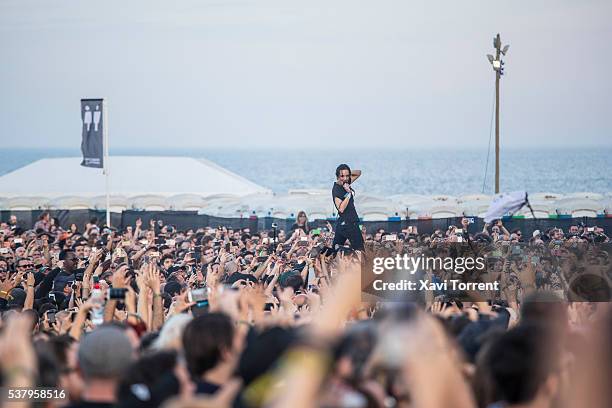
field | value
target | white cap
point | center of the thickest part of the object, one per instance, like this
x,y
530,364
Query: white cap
x,y
536,233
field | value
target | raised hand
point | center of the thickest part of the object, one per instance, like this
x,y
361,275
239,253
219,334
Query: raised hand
x,y
438,308
180,303
84,307
30,279
140,280
7,285
119,279
16,349
152,279
212,278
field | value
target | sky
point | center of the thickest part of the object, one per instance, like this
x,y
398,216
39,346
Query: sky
x,y
318,73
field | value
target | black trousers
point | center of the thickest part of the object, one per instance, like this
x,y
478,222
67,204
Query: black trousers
x,y
348,231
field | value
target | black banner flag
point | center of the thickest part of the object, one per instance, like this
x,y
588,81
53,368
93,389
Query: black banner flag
x,y
92,145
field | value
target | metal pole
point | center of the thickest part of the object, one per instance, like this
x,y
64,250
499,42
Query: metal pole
x,y
106,161
497,76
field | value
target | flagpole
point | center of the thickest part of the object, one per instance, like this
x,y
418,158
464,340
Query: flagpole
x,y
106,161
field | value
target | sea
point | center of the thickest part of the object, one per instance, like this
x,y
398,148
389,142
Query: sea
x,y
388,172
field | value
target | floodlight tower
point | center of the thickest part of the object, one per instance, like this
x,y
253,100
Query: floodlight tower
x,y
498,67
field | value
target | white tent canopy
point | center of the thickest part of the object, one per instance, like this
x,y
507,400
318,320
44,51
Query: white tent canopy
x,y
130,176
182,183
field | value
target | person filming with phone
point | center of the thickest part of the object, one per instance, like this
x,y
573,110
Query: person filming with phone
x,y
347,224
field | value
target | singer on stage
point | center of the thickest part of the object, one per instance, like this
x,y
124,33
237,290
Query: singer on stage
x,y
347,225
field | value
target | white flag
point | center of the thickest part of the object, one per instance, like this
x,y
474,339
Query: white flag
x,y
505,203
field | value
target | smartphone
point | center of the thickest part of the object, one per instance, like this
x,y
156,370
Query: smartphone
x,y
391,237
200,308
117,293
197,295
4,250
154,255
200,297
143,242
18,240
303,241
590,229
51,316
170,242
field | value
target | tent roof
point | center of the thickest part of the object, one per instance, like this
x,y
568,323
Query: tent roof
x,y
129,176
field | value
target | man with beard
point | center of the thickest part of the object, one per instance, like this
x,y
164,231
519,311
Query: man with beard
x,y
66,273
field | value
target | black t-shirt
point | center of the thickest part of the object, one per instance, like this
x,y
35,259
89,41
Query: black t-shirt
x,y
350,214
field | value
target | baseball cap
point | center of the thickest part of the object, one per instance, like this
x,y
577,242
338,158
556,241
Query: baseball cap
x,y
536,233
17,298
106,352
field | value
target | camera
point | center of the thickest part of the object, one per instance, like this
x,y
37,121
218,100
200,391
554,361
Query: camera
x,y
274,225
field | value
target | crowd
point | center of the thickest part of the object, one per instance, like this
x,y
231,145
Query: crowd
x,y
213,317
